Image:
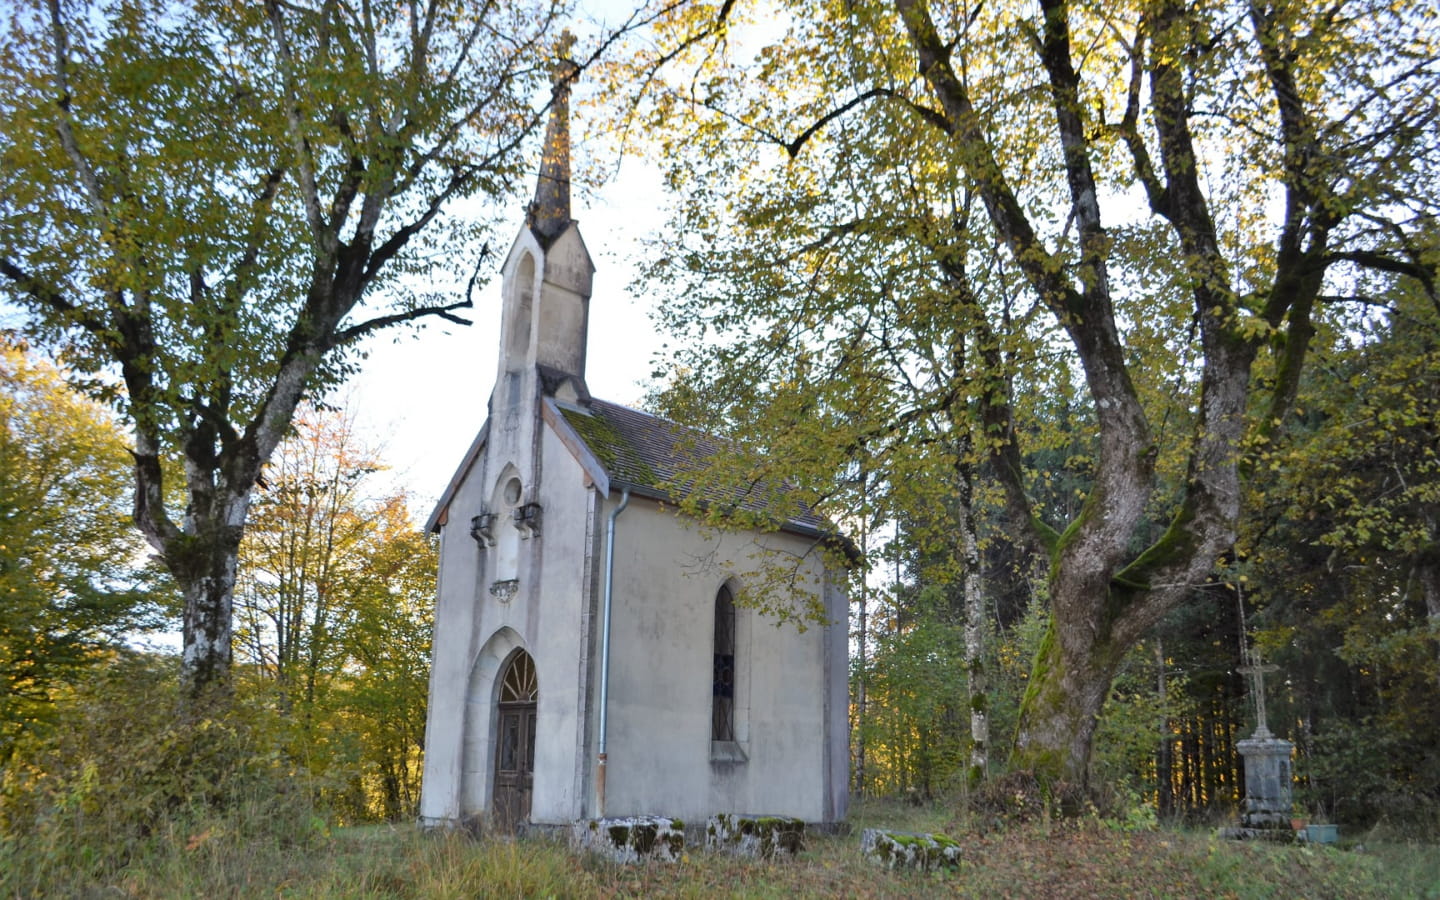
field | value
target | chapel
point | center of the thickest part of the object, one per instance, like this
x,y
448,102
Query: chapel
x,y
589,657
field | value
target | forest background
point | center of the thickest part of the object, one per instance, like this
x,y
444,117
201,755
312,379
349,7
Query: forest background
x,y
836,273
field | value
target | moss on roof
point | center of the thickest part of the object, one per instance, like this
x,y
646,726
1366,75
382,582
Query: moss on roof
x,y
665,459
619,457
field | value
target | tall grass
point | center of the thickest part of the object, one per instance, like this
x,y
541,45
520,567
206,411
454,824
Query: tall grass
x,y
136,780
133,799
1087,859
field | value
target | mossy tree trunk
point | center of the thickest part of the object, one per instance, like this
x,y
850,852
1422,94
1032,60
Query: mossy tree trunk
x,y
1104,597
1062,703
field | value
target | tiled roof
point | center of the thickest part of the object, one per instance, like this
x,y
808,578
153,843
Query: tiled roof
x,y
659,457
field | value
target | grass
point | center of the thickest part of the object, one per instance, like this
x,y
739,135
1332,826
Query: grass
x,y
1087,858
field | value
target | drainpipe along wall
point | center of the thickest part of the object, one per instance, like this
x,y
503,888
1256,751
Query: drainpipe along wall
x,y
605,651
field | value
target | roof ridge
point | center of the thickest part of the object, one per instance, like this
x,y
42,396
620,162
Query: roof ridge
x,y
642,412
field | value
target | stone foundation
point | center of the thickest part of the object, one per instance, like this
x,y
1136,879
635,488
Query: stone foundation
x,y
910,850
631,839
755,837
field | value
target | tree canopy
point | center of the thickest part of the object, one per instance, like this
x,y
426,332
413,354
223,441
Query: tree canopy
x,y
907,222
73,579
206,205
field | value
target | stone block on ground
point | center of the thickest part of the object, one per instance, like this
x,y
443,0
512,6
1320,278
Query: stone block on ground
x,y
911,850
629,839
1271,835
762,837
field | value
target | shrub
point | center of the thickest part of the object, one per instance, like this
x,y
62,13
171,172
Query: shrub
x,y
130,776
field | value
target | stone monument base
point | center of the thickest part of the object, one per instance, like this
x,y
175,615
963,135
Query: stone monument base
x,y
1272,835
1266,810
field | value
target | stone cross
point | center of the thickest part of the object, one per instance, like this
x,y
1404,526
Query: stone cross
x,y
1256,670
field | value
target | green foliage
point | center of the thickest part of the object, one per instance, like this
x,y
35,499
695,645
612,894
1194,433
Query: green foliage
x,y
192,144
906,227
916,731
1363,463
128,777
1016,651
384,696
1136,720
72,577
1342,568
1369,771
333,609
145,791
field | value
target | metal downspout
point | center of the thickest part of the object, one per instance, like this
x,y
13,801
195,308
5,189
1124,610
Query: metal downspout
x,y
605,650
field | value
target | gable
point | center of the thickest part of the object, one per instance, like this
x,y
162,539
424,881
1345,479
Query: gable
x,y
441,513
652,456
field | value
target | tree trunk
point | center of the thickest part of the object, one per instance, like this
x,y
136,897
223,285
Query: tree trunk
x,y
862,645
205,660
1164,753
1428,572
1068,685
977,682
975,621
204,566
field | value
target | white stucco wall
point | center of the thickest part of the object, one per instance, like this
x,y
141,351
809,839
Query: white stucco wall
x,y
668,571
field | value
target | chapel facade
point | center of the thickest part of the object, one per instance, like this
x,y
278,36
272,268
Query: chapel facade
x,y
589,657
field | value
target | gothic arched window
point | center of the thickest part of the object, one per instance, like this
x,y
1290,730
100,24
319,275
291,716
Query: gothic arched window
x,y
722,687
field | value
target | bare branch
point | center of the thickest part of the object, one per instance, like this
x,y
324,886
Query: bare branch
x,y
1382,262
325,240
349,335
1129,129
48,296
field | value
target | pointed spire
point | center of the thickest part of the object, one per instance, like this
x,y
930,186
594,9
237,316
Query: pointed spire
x,y
549,213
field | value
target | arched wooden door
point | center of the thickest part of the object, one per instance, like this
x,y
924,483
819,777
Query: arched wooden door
x,y
515,747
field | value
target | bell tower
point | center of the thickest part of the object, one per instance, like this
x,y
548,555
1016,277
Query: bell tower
x,y
547,278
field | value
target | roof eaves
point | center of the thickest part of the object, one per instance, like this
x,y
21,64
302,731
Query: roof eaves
x,y
595,470
442,508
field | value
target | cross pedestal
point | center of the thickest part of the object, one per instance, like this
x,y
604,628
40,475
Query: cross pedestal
x,y
1265,811
1267,803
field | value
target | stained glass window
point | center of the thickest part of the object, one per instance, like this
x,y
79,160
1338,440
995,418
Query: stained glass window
x,y
722,684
